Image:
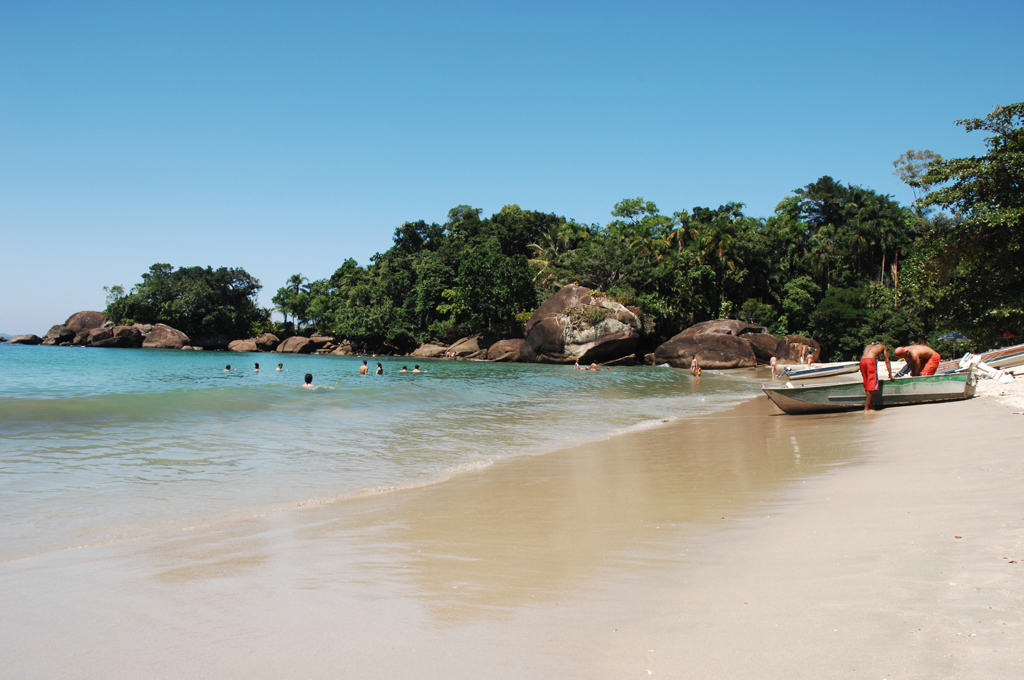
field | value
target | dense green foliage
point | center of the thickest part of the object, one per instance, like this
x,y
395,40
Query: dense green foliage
x,y
199,302
837,262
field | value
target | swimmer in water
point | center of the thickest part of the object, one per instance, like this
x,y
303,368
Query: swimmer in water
x,y
380,369
405,369
309,381
416,369
257,369
364,369
227,369
280,367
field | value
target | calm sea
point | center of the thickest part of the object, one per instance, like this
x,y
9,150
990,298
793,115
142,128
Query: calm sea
x,y
103,444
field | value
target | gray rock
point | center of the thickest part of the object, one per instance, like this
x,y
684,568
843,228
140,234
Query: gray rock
x,y
796,349
164,337
27,339
713,351
506,350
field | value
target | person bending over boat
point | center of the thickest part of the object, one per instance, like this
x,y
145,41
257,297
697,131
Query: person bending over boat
x,y
921,359
869,371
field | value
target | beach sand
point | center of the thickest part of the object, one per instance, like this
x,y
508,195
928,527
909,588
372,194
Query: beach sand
x,y
747,544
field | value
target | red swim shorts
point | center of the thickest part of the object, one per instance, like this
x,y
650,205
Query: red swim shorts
x,y
869,370
932,365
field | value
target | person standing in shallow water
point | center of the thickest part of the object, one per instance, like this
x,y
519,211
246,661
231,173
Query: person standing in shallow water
x,y
380,369
869,372
694,367
309,381
364,369
280,367
257,369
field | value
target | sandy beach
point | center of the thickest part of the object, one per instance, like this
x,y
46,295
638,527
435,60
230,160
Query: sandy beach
x,y
746,544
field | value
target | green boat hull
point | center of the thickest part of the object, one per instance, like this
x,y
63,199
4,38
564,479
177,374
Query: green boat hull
x,y
849,396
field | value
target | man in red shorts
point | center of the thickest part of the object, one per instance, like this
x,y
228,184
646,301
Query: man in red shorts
x,y
922,359
869,371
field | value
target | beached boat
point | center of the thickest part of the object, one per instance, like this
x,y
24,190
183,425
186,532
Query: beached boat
x,y
804,371
797,399
1007,357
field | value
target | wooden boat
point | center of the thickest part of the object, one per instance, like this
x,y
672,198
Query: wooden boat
x,y
823,398
804,371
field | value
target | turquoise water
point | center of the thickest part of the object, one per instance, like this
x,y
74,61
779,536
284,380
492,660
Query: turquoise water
x,y
103,444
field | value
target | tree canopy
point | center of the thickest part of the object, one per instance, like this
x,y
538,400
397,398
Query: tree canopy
x,y
197,301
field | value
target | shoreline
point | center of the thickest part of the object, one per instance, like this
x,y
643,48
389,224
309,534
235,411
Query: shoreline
x,y
718,548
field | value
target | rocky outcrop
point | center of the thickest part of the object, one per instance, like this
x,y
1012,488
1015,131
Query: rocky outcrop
x,y
296,345
722,327
713,351
430,350
322,342
796,349
473,347
82,322
764,344
576,325
27,339
344,349
242,346
99,337
164,337
58,335
267,342
505,350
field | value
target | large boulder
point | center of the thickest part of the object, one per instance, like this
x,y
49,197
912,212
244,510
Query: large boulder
x,y
296,345
85,321
99,337
430,350
144,328
764,344
267,342
713,351
576,325
506,350
322,342
58,335
796,349
128,336
28,339
722,327
211,341
164,337
242,346
472,347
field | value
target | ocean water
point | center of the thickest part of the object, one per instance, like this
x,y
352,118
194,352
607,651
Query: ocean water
x,y
98,445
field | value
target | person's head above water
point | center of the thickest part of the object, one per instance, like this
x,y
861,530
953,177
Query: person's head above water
x,y
309,378
257,366
228,367
280,366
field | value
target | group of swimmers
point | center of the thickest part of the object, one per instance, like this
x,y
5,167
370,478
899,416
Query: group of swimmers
x,y
256,368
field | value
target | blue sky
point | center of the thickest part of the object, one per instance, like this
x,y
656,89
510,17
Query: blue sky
x,y
286,137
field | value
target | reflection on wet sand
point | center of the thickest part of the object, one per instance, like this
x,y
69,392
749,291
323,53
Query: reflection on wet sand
x,y
531,530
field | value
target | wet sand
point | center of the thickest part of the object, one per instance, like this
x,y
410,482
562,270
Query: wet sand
x,y
748,544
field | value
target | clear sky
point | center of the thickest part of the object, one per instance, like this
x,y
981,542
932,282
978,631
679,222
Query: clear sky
x,y
286,137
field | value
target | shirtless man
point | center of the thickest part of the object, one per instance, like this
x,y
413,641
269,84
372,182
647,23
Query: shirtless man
x,y
922,359
364,369
869,371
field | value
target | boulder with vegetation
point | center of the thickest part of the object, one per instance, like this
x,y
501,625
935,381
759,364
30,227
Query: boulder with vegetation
x,y
713,351
576,324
